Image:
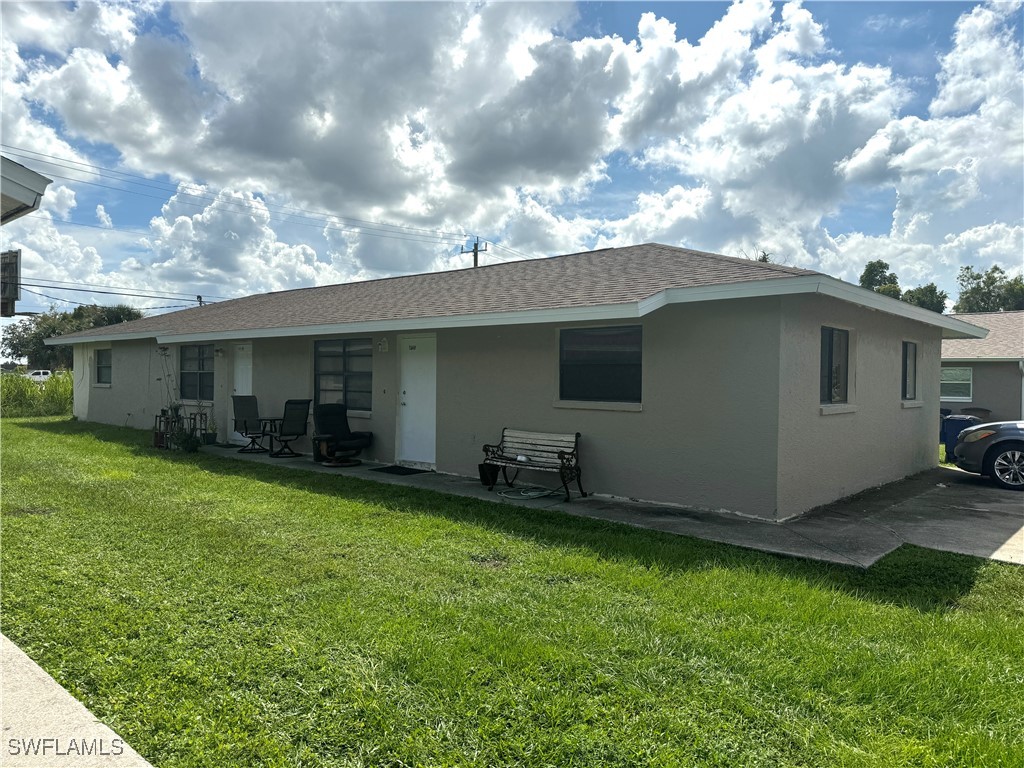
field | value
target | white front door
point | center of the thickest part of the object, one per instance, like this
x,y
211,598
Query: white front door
x,y
242,381
417,400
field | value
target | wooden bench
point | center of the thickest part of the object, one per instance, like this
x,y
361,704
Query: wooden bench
x,y
542,451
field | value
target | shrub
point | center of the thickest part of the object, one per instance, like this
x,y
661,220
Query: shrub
x,y
22,397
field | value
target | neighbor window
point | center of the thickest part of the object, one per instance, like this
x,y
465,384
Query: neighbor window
x,y
104,366
835,365
196,380
909,370
601,364
957,384
343,369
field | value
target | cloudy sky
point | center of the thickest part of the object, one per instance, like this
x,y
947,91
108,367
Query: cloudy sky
x,y
225,148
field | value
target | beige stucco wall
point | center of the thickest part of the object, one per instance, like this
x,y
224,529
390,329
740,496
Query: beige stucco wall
x,y
282,369
705,436
826,453
996,386
730,418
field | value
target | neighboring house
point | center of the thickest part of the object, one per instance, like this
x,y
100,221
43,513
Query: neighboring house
x,y
695,379
980,375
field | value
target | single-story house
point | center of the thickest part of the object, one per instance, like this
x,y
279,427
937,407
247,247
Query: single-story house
x,y
695,379
985,377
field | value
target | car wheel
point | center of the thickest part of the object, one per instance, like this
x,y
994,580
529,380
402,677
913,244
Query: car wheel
x,y
1005,465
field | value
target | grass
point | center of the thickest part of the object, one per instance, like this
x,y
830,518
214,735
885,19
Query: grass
x,y
20,396
218,613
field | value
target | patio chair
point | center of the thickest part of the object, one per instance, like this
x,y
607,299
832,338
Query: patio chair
x,y
335,445
293,425
249,424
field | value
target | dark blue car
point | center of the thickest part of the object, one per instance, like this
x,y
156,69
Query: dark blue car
x,y
995,450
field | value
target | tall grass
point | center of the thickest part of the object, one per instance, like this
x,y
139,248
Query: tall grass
x,y
20,396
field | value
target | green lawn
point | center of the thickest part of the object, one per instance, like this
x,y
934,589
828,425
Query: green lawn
x,y
219,613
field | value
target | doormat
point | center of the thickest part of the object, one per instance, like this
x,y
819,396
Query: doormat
x,y
395,469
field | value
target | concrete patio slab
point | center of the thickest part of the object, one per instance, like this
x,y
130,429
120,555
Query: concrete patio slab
x,y
943,509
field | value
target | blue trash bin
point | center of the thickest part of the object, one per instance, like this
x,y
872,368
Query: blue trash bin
x,y
953,426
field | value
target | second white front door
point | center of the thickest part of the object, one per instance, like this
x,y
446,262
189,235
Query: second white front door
x,y
417,400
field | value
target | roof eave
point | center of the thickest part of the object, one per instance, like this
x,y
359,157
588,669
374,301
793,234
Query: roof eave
x,y
780,286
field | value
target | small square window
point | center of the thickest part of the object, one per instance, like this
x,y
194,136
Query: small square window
x,y
601,364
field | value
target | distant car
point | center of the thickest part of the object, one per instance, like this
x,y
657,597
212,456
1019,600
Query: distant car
x,y
995,450
39,376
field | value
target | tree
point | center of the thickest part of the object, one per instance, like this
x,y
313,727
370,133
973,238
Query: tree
x,y
26,339
876,274
892,290
927,296
990,291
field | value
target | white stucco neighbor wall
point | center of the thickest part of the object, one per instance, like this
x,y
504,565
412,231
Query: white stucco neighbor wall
x,y
826,453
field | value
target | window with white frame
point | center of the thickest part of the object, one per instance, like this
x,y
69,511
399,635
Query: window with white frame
x,y
835,365
601,364
909,377
956,384
104,366
196,379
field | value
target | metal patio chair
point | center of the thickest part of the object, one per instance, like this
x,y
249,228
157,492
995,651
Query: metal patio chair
x,y
249,424
293,425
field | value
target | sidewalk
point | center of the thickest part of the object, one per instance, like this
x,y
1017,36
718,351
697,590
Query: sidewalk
x,y
44,726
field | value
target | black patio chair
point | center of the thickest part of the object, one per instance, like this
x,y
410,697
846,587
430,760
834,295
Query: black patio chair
x,y
249,424
293,425
334,443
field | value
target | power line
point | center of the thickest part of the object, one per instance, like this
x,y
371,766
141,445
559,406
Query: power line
x,y
88,304
420,233
104,285
109,293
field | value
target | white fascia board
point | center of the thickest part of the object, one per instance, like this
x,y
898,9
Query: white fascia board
x,y
781,286
58,341
951,327
983,359
827,286
562,315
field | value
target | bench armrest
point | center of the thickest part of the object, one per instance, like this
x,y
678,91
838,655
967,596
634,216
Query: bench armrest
x,y
492,450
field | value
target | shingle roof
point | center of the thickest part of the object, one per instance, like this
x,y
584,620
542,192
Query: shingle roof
x,y
593,278
1005,340
605,284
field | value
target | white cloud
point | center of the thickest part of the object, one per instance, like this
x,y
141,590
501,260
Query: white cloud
x,y
495,119
103,217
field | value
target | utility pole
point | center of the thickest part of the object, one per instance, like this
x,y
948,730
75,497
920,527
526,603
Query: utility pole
x,y
477,250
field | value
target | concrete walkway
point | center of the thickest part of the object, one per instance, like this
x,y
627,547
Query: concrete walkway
x,y
942,509
44,726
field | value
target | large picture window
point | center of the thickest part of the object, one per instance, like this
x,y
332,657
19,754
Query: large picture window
x,y
956,385
104,366
909,370
196,379
601,364
344,373
835,365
